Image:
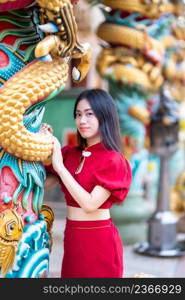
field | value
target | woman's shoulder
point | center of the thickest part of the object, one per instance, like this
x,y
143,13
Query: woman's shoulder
x,y
115,160
114,156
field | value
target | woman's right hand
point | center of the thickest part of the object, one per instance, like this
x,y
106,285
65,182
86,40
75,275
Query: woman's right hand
x,y
46,128
57,159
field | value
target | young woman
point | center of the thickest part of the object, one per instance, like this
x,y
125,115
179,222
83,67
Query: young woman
x,y
93,176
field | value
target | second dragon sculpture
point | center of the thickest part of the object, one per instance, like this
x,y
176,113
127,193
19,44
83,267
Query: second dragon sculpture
x,y
37,41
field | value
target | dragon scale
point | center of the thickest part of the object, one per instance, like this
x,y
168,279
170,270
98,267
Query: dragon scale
x,y
32,84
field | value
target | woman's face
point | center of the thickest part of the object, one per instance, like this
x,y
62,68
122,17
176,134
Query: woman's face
x,y
86,121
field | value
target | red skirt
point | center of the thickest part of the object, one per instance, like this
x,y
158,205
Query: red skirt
x,y
92,249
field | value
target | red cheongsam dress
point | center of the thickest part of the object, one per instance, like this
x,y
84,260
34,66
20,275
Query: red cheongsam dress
x,y
94,249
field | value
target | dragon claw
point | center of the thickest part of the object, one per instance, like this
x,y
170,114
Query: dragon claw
x,y
46,58
76,74
48,27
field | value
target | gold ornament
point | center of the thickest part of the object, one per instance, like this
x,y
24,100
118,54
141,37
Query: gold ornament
x,y
113,33
63,43
48,214
139,113
149,8
4,1
124,65
11,229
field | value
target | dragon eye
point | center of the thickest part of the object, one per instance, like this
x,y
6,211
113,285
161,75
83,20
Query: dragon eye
x,y
11,227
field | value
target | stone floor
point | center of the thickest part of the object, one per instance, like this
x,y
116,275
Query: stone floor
x,y
135,263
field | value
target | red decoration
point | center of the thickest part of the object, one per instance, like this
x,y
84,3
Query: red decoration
x,y
4,59
14,4
74,1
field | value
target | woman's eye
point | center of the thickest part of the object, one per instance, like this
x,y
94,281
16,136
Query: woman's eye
x,y
78,115
89,114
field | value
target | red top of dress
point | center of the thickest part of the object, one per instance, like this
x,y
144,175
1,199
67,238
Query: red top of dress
x,y
103,167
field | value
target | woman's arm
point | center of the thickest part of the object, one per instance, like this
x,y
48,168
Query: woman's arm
x,y
89,202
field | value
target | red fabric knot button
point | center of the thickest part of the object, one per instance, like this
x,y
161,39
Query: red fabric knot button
x,y
86,153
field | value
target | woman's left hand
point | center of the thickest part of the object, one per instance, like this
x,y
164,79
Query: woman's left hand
x,y
57,159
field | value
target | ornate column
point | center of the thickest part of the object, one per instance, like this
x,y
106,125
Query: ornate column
x,y
33,68
162,230
175,75
131,215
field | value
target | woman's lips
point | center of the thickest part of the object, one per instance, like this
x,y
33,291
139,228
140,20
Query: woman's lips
x,y
83,128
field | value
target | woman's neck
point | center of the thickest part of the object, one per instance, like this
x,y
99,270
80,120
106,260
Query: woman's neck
x,y
93,141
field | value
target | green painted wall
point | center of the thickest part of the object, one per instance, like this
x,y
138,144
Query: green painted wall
x,y
59,112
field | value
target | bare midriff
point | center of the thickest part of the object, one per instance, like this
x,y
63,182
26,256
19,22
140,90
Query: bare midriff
x,y
77,213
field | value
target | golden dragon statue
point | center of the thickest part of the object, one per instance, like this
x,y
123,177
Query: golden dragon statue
x,y
39,79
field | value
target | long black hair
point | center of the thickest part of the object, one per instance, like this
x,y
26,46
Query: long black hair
x,y
105,111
